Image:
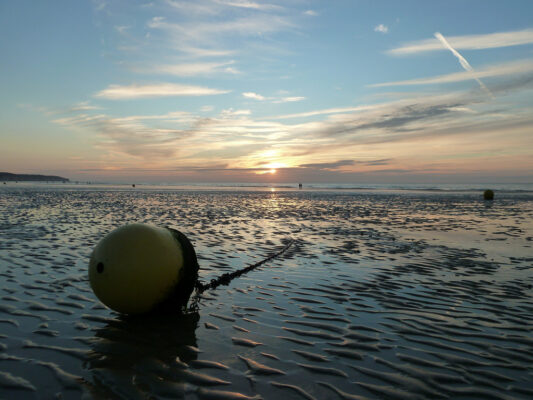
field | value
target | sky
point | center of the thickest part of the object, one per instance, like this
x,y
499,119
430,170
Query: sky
x,y
347,91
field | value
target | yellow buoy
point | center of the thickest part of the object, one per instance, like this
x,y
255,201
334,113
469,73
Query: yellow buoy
x,y
137,268
488,194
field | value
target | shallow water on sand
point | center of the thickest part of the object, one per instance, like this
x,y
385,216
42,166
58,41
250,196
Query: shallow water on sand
x,y
380,296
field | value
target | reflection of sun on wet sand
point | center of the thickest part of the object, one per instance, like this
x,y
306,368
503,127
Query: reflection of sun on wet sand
x,y
422,295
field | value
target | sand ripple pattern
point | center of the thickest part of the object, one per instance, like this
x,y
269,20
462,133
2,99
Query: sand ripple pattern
x,y
381,296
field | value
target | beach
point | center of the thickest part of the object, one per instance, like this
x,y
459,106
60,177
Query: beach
x,y
383,294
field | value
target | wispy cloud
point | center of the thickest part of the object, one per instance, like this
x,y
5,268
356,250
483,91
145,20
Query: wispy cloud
x,y
469,42
84,106
465,64
252,95
118,92
510,68
207,32
328,165
84,119
381,28
344,163
195,69
234,113
194,7
249,5
339,110
211,7
275,100
121,29
129,136
213,28
202,52
289,99
99,5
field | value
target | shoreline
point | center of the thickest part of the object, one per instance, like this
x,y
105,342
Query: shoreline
x,y
374,288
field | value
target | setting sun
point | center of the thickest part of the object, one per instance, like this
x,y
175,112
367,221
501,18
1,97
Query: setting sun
x,y
272,171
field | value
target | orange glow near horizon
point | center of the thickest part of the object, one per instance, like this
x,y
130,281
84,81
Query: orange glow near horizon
x,y
271,168
271,171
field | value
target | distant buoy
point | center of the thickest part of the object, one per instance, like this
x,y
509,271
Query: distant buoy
x,y
133,185
488,194
138,268
299,185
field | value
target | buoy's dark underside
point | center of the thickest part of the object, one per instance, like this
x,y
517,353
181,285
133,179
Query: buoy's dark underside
x,y
177,300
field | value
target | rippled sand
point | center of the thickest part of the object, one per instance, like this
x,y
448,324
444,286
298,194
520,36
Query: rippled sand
x,y
381,296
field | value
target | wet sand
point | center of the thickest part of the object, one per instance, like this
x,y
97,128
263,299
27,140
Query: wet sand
x,y
380,296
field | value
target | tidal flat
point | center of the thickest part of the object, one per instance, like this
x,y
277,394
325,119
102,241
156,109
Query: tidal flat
x,y
381,295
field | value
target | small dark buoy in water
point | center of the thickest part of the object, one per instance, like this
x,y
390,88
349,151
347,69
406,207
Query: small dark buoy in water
x,y
299,186
139,268
488,194
133,185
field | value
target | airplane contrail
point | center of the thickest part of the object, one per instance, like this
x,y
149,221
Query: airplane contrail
x,y
462,61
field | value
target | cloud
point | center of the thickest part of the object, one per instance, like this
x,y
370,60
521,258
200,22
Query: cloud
x,y
289,99
510,68
118,92
234,113
383,161
128,136
249,5
158,138
194,7
252,95
339,110
469,42
381,28
195,69
205,52
392,117
217,28
334,166
99,5
328,165
135,136
213,7
206,32
84,106
121,29
84,120
422,117
311,13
